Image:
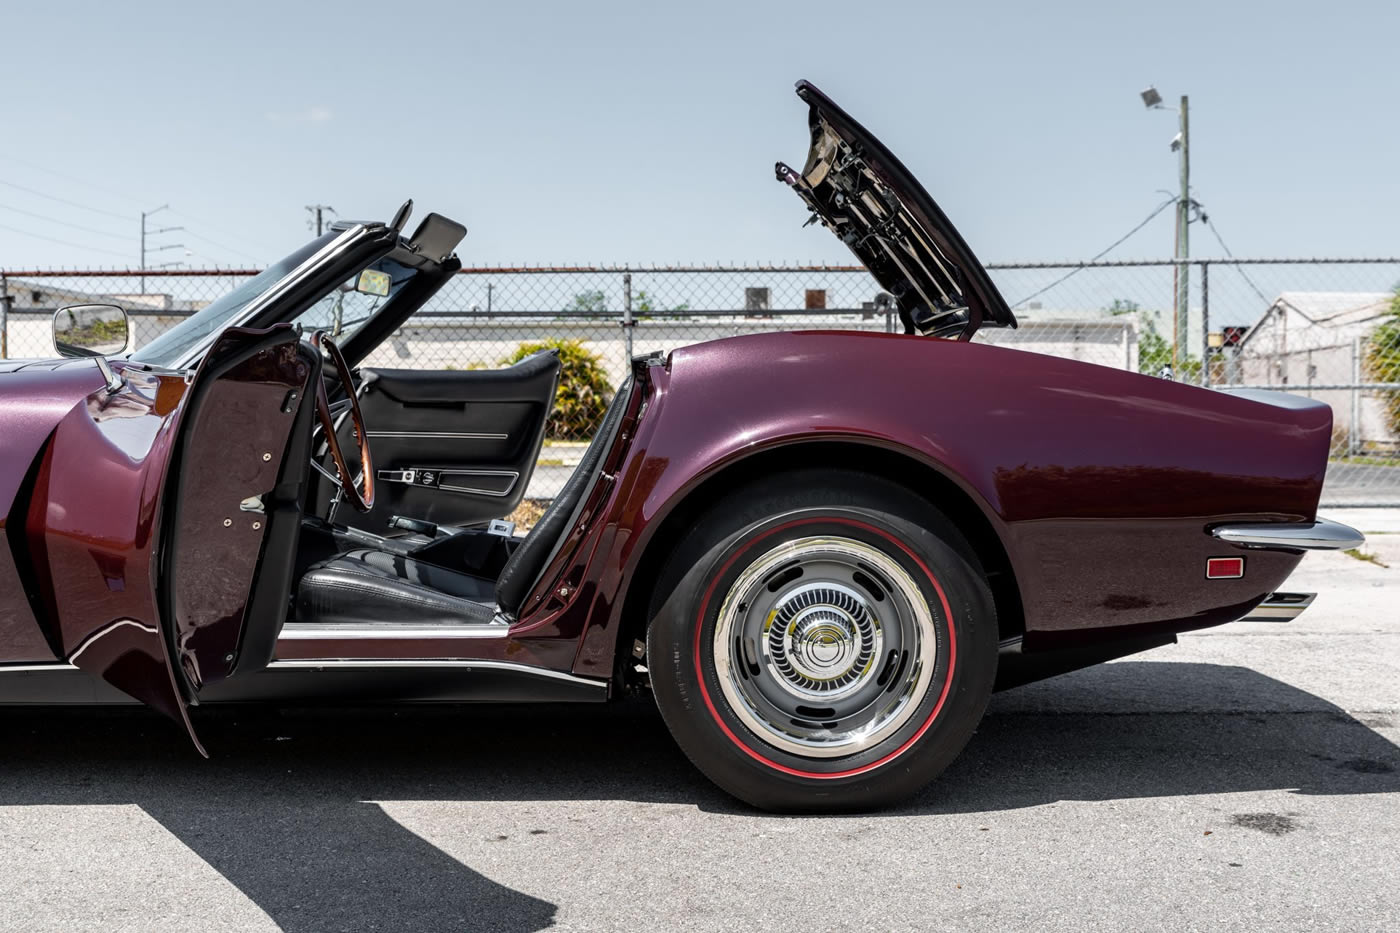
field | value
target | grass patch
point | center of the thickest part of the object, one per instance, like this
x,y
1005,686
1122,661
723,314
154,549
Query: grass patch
x,y
527,513
1367,556
1369,461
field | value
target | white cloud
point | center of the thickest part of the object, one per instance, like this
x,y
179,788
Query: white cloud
x,y
309,115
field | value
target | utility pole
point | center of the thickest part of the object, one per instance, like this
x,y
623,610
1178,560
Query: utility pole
x,y
317,222
1182,340
154,249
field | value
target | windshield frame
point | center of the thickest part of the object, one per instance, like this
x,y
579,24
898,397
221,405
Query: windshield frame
x,y
327,254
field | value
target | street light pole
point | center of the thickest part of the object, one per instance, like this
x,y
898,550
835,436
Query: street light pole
x,y
1181,270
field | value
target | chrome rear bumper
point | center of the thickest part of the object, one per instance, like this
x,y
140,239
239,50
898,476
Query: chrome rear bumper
x,y
1280,607
1320,535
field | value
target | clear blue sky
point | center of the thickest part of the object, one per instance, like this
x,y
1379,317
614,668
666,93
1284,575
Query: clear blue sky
x,y
601,132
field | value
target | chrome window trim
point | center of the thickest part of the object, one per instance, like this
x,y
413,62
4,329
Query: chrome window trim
x,y
279,288
1321,535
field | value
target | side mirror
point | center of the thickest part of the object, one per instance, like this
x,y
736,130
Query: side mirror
x,y
90,330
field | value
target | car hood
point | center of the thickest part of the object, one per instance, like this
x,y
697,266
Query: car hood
x,y
35,394
863,194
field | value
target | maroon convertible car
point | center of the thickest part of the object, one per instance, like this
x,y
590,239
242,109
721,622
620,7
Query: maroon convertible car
x,y
821,551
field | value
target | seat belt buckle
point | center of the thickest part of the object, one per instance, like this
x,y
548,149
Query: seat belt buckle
x,y
499,526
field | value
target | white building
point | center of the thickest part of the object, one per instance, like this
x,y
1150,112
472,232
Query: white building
x,y
1308,339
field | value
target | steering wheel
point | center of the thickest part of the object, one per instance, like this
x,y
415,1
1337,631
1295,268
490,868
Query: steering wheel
x,y
363,501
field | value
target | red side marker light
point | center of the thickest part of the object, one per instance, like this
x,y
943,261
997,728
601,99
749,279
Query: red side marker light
x,y
1224,568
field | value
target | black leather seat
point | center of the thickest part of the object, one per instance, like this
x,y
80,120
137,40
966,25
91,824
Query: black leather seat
x,y
369,585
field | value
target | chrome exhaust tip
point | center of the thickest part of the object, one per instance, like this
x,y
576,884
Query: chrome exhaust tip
x,y
1280,607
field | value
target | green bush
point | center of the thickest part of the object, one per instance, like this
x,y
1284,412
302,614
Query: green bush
x,y
584,390
1383,361
1155,354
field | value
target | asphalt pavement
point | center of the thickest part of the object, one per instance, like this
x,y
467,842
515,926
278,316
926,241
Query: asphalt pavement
x,y
1245,778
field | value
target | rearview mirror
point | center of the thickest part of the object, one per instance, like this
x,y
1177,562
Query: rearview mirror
x,y
90,330
374,282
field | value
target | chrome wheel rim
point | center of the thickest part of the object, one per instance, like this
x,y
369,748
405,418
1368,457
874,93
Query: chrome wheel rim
x,y
824,646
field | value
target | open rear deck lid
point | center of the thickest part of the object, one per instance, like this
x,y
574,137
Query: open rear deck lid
x,y
863,194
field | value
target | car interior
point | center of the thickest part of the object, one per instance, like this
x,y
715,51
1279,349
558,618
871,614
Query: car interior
x,y
452,455
413,531
420,572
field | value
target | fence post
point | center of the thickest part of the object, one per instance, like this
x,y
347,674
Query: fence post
x,y
4,318
1205,323
627,322
1354,429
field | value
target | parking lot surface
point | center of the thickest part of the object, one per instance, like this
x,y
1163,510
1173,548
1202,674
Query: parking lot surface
x,y
1245,778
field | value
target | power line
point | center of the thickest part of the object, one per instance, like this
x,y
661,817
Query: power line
x,y
50,197
97,210
223,231
218,244
73,178
40,236
1102,253
64,223
1211,224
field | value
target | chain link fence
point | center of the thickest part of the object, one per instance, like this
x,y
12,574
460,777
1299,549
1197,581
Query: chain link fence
x,y
1324,328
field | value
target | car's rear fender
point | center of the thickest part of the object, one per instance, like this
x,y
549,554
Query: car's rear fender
x,y
1101,484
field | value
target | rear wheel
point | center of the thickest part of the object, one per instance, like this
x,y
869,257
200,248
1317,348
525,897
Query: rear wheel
x,y
822,640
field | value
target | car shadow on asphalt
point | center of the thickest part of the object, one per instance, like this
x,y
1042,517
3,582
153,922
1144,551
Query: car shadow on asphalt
x,y
286,809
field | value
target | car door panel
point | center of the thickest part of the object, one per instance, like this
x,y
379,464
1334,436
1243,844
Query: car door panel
x,y
232,469
453,447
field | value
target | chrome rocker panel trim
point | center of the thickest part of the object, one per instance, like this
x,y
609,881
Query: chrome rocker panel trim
x,y
348,681
295,631
386,664
1321,535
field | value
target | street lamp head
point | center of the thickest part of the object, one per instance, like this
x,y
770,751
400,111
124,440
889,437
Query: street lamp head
x,y
1150,98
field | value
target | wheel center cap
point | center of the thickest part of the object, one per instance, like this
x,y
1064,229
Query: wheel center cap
x,y
822,642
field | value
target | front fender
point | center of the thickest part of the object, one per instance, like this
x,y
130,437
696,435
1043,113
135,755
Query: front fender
x,y
34,398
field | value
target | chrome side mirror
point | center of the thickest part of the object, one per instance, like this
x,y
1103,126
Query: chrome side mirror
x,y
90,330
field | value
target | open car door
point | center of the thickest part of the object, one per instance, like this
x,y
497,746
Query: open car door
x,y
166,516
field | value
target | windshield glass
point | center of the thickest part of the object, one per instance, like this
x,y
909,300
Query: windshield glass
x,y
341,312
171,346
